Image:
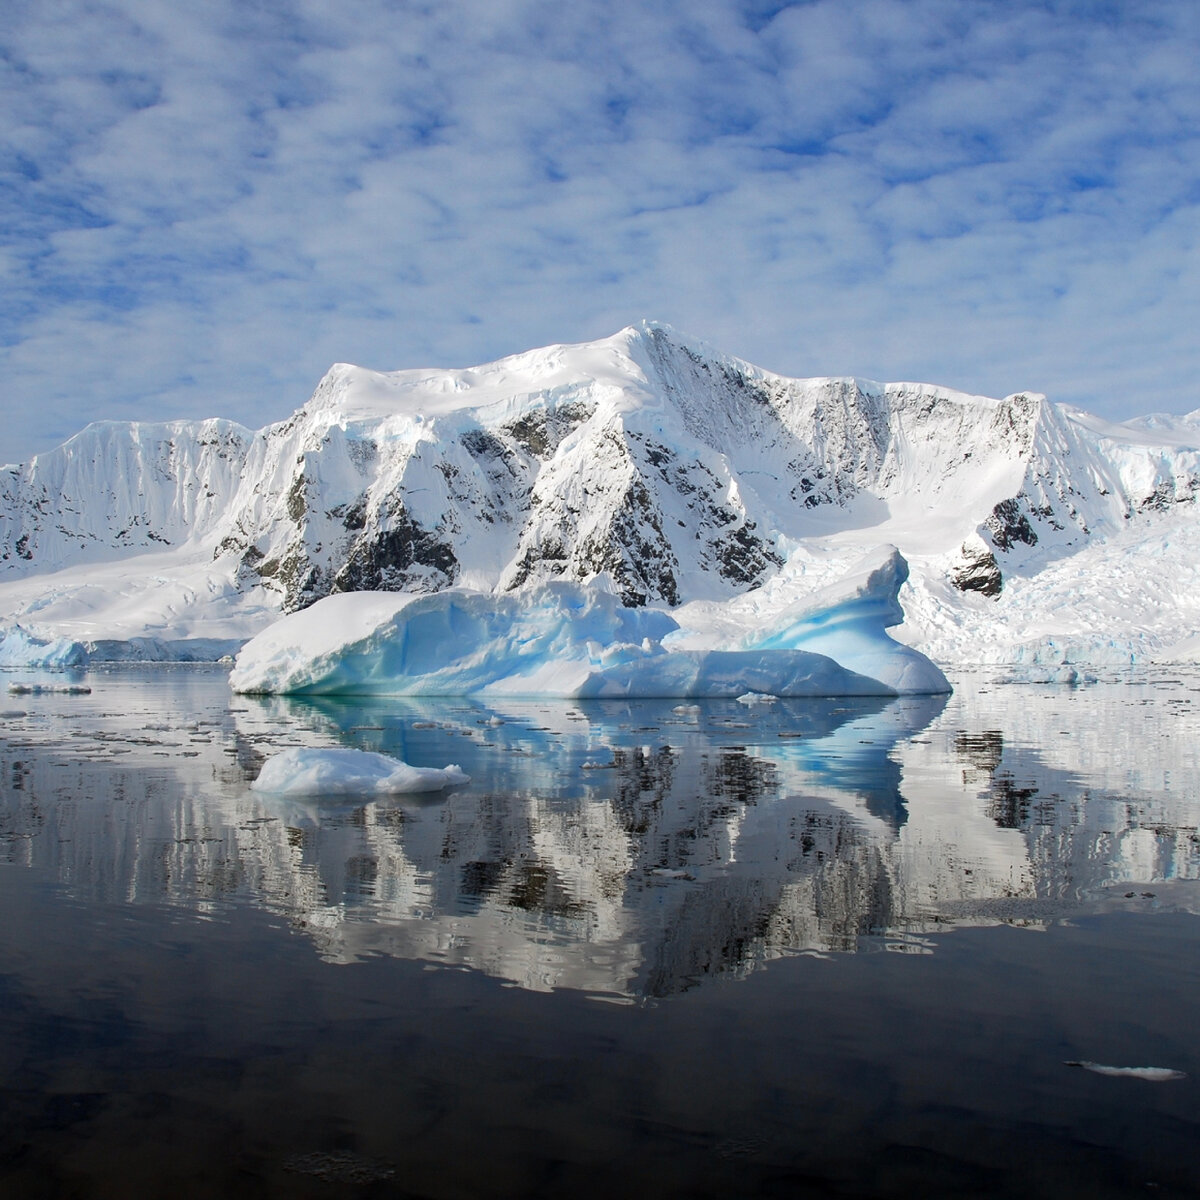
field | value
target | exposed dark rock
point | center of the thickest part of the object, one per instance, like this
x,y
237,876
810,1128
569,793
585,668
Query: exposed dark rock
x,y
1165,496
352,516
539,432
483,445
297,499
1008,525
300,580
979,572
647,568
248,569
405,555
744,558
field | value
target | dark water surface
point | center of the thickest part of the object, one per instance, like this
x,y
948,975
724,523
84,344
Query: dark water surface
x,y
844,948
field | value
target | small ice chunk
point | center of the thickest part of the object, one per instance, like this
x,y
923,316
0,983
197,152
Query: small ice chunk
x,y
755,698
1153,1074
303,771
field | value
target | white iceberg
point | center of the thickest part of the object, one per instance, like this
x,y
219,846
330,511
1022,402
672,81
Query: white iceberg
x,y
302,771
579,641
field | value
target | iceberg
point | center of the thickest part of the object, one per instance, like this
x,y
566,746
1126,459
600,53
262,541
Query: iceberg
x,y
302,771
579,641
20,648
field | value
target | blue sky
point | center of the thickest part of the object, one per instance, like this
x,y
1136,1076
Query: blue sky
x,y
205,205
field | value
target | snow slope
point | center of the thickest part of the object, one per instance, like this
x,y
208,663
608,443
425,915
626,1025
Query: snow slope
x,y
691,479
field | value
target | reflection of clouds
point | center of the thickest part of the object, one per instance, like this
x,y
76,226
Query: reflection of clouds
x,y
706,843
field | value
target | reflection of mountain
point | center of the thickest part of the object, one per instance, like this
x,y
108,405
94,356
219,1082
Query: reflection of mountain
x,y
631,849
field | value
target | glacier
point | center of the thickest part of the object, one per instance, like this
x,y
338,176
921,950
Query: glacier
x,y
1037,536
580,641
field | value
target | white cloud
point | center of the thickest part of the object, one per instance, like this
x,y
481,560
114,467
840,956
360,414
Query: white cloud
x,y
209,204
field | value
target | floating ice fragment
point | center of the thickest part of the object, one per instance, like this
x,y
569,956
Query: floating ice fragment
x,y
1153,1074
303,771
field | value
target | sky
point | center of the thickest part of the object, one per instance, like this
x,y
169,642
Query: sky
x,y
205,205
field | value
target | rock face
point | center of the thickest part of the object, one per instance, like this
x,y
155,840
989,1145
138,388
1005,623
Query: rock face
x,y
978,571
680,473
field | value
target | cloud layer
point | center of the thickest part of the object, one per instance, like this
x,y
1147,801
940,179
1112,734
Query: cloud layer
x,y
204,206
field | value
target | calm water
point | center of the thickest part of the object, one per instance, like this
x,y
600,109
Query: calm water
x,y
843,948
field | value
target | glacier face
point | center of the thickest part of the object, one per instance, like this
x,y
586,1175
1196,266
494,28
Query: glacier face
x,y
690,479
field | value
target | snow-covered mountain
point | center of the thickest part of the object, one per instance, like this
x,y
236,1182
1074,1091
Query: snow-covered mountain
x,y
692,479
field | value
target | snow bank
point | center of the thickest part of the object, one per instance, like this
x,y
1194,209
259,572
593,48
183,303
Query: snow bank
x,y
578,641
309,772
20,648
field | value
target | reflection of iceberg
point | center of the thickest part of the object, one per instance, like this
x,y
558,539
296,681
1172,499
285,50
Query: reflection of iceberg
x,y
578,640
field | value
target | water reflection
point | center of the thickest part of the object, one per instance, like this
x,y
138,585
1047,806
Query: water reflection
x,y
628,849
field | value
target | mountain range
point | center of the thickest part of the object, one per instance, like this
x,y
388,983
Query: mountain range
x,y
1035,533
